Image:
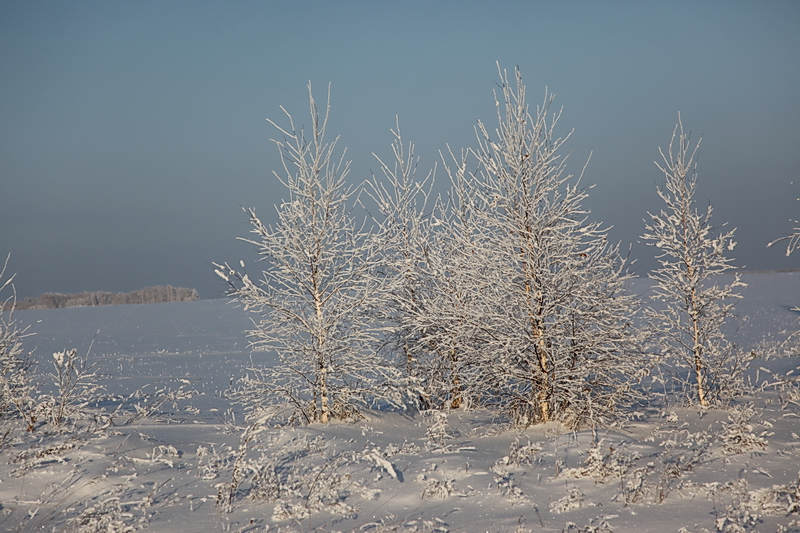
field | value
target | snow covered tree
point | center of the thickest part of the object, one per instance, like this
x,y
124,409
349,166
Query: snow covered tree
x,y
793,238
316,296
406,232
442,316
427,254
696,303
16,382
525,307
555,319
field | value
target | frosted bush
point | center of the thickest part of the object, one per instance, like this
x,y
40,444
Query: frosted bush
x,y
437,525
738,434
777,500
522,455
573,500
290,511
212,462
105,516
746,508
40,453
518,455
596,525
407,448
605,461
380,461
392,524
161,454
300,475
149,403
77,386
504,479
682,452
437,429
737,520
435,488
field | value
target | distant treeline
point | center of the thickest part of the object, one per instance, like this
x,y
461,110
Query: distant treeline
x,y
150,295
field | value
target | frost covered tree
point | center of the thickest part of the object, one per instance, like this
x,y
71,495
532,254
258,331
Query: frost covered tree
x,y
526,307
442,315
691,254
423,305
554,316
406,234
16,382
427,254
793,238
317,293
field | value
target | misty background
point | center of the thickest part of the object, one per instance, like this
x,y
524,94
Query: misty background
x,y
131,132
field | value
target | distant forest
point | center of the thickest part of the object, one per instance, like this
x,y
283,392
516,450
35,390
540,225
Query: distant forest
x,y
150,295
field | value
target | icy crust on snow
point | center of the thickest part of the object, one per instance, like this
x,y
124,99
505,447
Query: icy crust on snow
x,y
177,456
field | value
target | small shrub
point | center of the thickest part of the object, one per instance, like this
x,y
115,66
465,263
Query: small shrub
x,y
300,475
435,488
573,500
77,385
738,435
437,429
105,516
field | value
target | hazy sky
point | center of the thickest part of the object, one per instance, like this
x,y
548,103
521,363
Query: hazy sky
x,y
131,132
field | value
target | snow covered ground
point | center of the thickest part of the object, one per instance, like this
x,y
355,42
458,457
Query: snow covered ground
x,y
183,460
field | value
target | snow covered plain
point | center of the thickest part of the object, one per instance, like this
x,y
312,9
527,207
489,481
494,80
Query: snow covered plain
x,y
183,462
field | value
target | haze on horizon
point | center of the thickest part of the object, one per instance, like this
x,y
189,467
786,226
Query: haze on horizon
x,y
131,133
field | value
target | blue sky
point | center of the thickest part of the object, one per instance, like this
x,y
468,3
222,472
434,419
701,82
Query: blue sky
x,y
131,132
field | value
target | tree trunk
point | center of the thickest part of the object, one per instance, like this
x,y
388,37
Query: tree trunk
x,y
324,415
324,411
698,361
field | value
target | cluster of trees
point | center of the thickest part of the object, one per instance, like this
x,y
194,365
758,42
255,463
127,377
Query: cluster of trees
x,y
500,294
149,295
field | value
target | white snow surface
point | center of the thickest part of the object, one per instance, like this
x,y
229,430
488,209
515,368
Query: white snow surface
x,y
191,465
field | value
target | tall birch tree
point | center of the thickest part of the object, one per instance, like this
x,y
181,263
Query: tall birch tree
x,y
406,231
527,308
425,254
316,293
555,315
692,255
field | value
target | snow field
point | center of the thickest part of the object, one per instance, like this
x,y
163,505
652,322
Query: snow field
x,y
185,461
